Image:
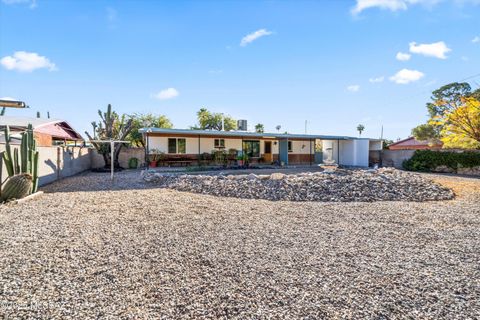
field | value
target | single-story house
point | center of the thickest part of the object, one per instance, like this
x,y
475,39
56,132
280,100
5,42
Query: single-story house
x,y
413,144
47,132
289,149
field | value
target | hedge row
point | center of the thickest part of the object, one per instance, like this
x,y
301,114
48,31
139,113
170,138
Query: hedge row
x,y
426,160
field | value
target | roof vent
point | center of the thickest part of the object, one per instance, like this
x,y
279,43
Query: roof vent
x,y
242,125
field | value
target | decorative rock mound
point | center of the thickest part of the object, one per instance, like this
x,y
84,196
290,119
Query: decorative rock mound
x,y
342,185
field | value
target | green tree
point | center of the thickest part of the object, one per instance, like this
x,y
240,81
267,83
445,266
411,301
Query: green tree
x,y
213,121
360,129
426,132
111,127
386,143
146,120
259,128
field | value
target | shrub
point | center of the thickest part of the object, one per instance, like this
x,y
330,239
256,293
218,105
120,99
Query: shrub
x,y
132,163
427,160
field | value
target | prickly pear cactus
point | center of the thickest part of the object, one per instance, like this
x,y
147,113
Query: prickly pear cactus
x,y
17,187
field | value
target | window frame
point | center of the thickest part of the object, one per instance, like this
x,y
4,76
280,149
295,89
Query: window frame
x,y
183,146
169,145
177,145
220,145
251,144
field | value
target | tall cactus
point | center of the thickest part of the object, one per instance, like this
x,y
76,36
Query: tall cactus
x,y
27,162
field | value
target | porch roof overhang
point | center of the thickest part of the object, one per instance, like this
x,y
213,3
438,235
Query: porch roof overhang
x,y
243,134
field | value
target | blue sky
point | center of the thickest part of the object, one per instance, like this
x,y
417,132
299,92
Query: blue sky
x,y
333,63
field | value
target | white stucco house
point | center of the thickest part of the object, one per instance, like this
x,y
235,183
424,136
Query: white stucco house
x,y
289,149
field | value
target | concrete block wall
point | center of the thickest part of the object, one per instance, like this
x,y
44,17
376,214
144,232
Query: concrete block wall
x,y
57,162
60,162
125,155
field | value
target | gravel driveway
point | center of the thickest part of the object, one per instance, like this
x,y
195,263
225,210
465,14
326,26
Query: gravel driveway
x,y
87,250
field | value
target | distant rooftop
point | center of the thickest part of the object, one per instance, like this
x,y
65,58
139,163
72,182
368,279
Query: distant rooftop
x,y
55,127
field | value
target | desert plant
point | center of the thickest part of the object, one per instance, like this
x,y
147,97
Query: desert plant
x,y
28,160
133,163
232,154
111,127
17,187
156,155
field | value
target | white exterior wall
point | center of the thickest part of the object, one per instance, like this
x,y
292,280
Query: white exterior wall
x,y
326,144
352,152
161,143
347,152
362,152
376,145
297,147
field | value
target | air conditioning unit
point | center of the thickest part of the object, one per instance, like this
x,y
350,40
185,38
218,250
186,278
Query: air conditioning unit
x,y
242,125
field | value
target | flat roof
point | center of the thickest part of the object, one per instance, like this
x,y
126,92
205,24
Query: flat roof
x,y
247,134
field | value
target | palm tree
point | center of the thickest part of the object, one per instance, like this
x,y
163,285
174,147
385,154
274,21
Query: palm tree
x,y
259,128
278,127
360,129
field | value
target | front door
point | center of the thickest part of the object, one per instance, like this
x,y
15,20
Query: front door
x,y
267,154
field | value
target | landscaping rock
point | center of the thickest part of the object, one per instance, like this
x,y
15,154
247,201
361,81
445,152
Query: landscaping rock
x,y
339,186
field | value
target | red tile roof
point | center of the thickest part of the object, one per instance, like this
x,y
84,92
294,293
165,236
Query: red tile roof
x,y
413,144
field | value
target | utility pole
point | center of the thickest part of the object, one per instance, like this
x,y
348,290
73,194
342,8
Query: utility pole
x,y
306,126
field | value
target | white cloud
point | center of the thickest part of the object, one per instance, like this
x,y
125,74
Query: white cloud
x,y
32,4
393,5
353,88
436,49
254,36
166,94
476,39
403,56
26,62
405,76
377,79
215,71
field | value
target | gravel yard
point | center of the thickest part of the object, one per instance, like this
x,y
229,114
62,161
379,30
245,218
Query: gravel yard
x,y
87,249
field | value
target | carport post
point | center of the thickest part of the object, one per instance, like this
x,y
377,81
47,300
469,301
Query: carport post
x,y
338,151
310,152
198,149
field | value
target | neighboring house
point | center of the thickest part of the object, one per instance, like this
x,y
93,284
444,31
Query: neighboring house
x,y
265,147
413,144
47,132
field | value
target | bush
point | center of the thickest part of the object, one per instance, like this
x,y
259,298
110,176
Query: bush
x,y
427,160
132,163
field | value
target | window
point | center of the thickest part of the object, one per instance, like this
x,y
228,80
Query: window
x,y
251,148
182,146
290,148
172,145
219,143
177,145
